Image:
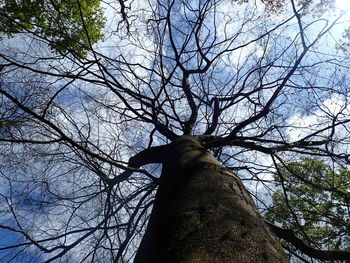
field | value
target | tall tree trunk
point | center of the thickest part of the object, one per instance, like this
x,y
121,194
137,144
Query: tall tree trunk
x,y
202,213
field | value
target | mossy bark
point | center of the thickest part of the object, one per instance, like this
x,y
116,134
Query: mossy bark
x,y
202,213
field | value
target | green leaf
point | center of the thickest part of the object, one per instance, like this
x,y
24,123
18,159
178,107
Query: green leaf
x,y
69,26
314,204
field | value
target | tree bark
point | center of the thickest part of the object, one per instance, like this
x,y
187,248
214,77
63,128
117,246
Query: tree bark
x,y
202,213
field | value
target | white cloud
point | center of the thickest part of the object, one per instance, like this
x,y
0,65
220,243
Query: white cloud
x,y
337,106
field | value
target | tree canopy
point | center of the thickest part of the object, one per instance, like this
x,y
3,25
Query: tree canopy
x,y
313,202
93,92
66,25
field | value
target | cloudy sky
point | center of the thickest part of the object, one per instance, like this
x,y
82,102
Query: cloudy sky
x,y
306,110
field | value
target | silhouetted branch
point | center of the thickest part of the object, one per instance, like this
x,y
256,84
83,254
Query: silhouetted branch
x,y
288,235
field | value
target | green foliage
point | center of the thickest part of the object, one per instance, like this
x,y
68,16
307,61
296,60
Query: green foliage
x,y
313,200
317,7
344,44
68,25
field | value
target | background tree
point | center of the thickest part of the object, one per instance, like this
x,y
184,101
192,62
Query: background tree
x,y
66,25
94,122
313,202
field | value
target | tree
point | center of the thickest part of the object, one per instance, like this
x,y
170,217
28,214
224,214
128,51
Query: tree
x,y
170,131
314,203
66,25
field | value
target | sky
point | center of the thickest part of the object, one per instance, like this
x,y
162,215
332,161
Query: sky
x,y
343,4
